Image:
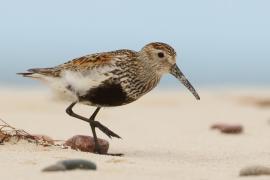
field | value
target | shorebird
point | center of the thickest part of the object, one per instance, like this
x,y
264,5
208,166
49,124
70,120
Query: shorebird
x,y
111,79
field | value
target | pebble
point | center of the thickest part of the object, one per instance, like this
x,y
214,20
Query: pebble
x,y
255,171
86,144
263,103
228,128
66,165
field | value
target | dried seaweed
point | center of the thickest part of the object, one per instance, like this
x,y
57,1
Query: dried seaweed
x,y
9,133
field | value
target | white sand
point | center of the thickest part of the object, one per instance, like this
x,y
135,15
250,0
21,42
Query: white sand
x,y
165,135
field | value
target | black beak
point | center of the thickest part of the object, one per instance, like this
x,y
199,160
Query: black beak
x,y
175,71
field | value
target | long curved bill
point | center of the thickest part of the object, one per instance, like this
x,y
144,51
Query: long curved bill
x,y
176,72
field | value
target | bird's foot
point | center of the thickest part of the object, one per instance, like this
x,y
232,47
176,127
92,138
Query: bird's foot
x,y
106,130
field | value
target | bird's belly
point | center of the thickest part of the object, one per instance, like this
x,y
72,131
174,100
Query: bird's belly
x,y
106,95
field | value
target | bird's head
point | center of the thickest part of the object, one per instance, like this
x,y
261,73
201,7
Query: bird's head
x,y
162,58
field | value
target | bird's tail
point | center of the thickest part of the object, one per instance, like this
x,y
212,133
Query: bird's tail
x,y
39,72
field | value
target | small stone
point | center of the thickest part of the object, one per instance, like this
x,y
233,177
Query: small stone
x,y
259,102
228,128
87,144
263,103
255,171
66,165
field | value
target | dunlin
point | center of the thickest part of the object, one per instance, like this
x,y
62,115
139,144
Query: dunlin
x,y
111,79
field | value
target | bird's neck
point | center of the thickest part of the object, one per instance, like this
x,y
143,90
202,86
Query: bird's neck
x,y
149,79
144,78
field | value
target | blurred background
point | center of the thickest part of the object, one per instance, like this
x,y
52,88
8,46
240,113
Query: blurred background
x,y
219,42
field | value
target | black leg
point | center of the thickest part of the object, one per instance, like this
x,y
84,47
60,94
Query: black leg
x,y
97,124
93,128
93,124
97,147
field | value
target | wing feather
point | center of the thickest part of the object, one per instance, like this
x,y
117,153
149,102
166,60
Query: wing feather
x,y
93,61
84,63
76,77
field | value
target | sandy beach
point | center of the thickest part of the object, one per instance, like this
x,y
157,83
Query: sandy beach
x,y
165,135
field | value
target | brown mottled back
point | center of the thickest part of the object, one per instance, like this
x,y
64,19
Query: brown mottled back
x,y
85,63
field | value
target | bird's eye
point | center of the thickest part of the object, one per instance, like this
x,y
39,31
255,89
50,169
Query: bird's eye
x,y
160,54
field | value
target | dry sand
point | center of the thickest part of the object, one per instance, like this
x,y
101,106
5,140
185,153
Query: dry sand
x,y
165,135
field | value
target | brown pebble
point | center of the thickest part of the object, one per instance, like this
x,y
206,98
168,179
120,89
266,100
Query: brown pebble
x,y
257,101
228,128
264,103
87,144
255,171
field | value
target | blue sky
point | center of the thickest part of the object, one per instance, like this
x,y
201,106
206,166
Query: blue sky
x,y
219,42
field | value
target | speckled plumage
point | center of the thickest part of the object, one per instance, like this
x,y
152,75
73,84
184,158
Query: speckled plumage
x,y
111,78
129,70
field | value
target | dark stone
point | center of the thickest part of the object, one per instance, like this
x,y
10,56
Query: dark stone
x,y
71,165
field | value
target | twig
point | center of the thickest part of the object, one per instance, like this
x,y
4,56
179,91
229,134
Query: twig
x,y
9,131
